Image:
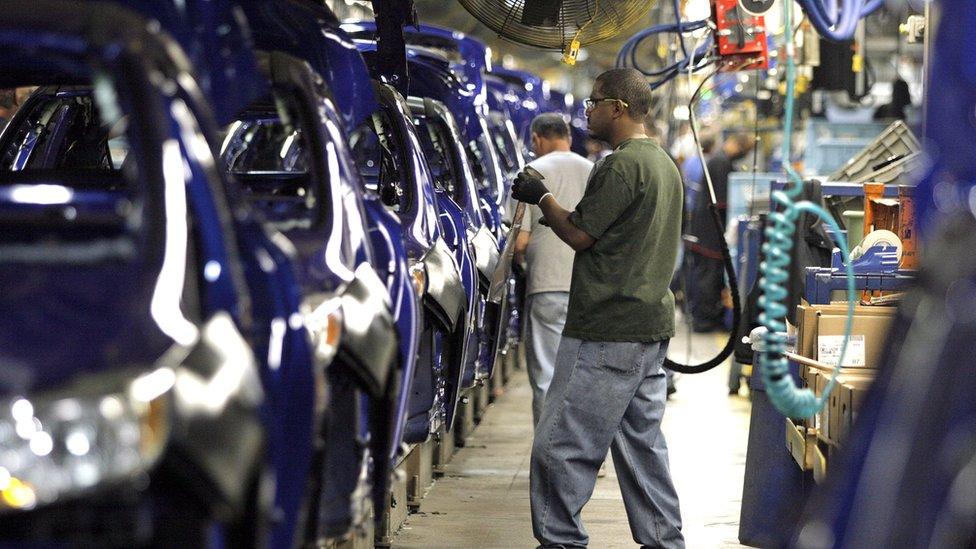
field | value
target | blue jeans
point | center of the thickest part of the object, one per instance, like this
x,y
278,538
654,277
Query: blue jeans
x,y
543,330
604,395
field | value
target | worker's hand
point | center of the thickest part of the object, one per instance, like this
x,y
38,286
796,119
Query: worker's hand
x,y
528,189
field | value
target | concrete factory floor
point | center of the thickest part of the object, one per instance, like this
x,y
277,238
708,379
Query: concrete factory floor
x,y
483,499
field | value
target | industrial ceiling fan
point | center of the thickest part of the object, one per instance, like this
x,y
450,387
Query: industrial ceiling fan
x,y
557,24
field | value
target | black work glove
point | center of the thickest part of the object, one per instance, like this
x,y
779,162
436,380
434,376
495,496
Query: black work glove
x,y
528,189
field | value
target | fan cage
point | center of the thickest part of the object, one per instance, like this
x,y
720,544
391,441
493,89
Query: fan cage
x,y
555,23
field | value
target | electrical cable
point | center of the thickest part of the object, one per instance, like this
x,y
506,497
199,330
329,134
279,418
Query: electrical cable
x,y
686,265
774,367
726,256
755,146
680,65
677,20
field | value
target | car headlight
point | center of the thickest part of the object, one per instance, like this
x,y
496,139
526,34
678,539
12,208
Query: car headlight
x,y
418,274
106,429
323,320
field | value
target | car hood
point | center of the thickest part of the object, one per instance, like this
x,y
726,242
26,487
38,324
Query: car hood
x,y
64,321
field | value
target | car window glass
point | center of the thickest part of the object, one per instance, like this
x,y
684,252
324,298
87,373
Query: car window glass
x,y
382,161
479,166
269,154
61,182
434,139
65,131
503,142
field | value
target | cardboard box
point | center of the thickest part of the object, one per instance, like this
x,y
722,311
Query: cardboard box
x,y
809,376
808,321
896,215
906,228
801,443
829,419
816,380
823,416
851,395
869,334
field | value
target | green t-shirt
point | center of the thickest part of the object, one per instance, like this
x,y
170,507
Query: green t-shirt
x,y
632,207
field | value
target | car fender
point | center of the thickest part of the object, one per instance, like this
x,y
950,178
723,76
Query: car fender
x,y
486,255
369,339
445,297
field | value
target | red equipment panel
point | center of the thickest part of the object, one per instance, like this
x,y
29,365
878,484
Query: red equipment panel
x,y
741,37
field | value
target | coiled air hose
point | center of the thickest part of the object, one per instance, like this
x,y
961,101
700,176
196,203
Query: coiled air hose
x,y
774,367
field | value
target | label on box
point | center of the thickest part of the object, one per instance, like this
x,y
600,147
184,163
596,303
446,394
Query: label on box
x,y
828,350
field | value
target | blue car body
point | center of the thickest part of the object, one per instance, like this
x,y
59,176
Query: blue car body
x,y
440,45
431,78
438,134
223,57
218,45
532,95
291,370
366,419
105,293
475,56
413,227
457,222
437,383
437,55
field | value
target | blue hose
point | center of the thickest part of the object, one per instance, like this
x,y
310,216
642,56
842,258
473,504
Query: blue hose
x,y
677,19
698,60
629,48
774,367
835,28
680,65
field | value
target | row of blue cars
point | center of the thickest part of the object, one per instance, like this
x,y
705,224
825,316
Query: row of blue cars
x,y
239,270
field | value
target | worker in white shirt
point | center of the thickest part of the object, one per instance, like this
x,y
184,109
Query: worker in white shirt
x,y
548,260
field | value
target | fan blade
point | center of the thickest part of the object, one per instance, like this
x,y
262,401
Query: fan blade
x,y
541,13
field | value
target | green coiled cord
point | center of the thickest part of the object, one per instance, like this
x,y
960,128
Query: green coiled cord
x,y
789,399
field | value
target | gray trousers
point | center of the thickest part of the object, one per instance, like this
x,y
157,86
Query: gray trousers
x,y
543,330
604,394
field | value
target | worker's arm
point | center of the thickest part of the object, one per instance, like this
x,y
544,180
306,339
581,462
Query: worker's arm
x,y
531,190
521,244
558,219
